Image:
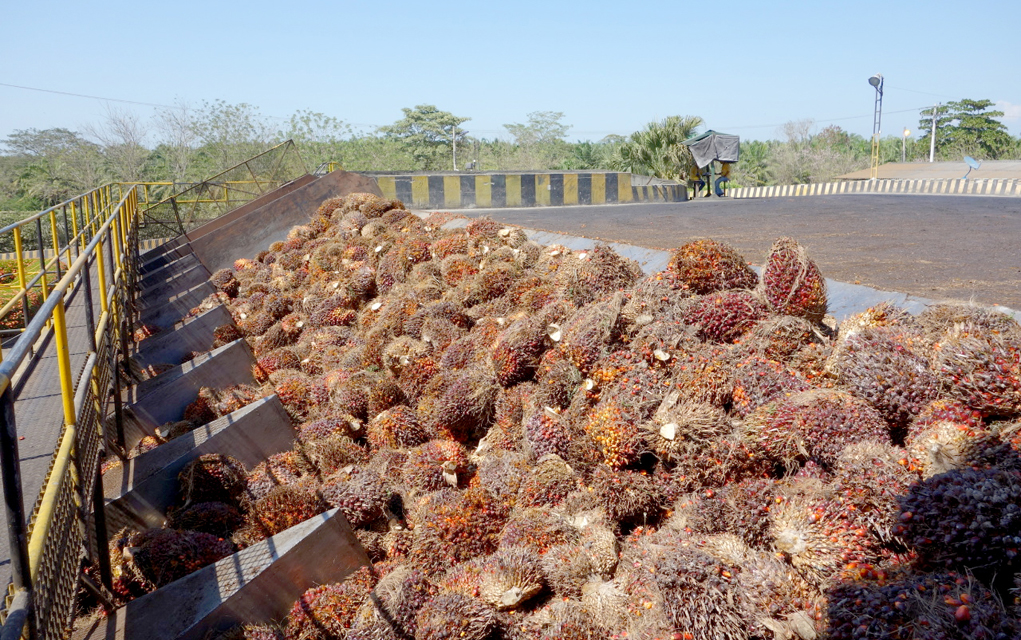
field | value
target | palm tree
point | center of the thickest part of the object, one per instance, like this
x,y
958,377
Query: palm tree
x,y
657,150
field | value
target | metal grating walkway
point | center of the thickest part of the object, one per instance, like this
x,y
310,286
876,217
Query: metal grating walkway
x,y
37,406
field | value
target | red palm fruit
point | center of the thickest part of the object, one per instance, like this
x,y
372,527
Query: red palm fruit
x,y
726,316
705,266
792,283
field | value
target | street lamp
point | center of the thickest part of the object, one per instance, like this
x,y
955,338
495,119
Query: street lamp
x,y
877,82
904,144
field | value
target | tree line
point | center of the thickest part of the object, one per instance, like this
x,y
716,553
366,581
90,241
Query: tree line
x,y
41,168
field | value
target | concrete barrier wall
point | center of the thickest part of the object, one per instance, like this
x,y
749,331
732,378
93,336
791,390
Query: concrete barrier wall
x,y
934,187
498,190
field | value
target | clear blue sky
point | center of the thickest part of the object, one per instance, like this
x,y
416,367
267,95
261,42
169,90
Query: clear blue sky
x,y
745,67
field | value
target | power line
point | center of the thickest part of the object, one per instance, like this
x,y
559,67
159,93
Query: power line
x,y
767,126
82,95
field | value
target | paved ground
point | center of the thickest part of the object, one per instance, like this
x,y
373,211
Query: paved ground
x,y
959,247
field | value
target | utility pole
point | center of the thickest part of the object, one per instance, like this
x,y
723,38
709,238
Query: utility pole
x,y
932,140
453,146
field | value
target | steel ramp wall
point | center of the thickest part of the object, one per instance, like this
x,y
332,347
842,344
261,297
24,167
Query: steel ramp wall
x,y
219,245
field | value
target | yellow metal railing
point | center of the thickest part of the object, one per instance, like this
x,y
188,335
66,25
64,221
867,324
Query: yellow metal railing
x,y
68,220
46,550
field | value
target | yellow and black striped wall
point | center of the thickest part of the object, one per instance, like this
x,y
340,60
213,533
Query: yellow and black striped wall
x,y
496,190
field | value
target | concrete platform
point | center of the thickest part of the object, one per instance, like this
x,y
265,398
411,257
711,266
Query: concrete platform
x,y
258,584
194,334
139,493
166,399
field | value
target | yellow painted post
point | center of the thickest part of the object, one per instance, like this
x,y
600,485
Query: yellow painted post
x,y
19,254
74,226
101,268
115,244
64,362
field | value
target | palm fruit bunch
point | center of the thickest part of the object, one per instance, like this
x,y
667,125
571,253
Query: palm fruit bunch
x,y
679,426
225,334
284,468
627,495
216,518
455,527
965,519
160,556
546,433
818,535
879,365
464,407
781,337
451,615
537,442
510,577
225,281
588,333
396,427
815,425
518,349
872,478
726,316
759,381
547,483
616,433
279,510
937,605
328,611
434,465
253,632
539,529
213,477
947,445
360,495
706,266
589,275
792,283
982,369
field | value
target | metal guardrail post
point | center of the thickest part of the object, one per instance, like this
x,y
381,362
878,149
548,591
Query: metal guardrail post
x,y
19,253
42,258
17,534
56,242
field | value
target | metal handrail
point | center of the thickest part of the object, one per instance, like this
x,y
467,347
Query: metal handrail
x,y
29,540
92,206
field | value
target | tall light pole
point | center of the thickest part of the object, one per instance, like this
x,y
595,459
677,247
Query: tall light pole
x,y
877,120
904,144
932,140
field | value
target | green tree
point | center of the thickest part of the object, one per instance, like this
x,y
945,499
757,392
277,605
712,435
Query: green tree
x,y
429,134
968,127
752,169
317,136
540,141
657,150
229,134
